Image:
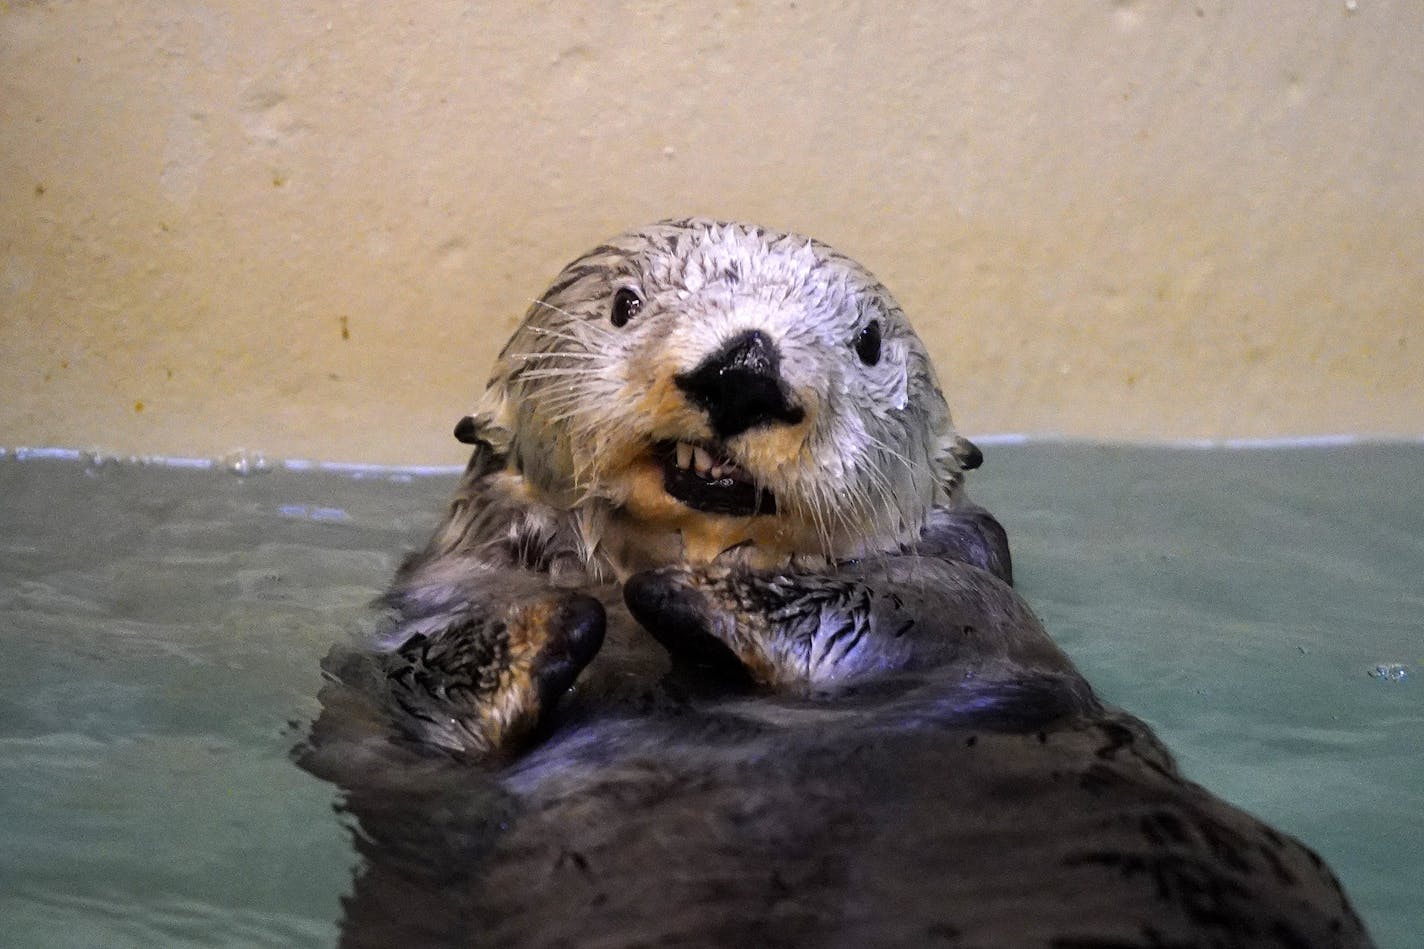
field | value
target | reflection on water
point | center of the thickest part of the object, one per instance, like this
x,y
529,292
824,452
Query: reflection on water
x,y
162,628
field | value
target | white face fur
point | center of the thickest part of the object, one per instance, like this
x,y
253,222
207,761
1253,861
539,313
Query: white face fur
x,y
842,448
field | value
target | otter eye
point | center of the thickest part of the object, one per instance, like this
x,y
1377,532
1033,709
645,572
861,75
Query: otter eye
x,y
626,304
867,344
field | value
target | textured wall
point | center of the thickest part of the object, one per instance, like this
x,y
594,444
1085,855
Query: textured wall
x,y
306,227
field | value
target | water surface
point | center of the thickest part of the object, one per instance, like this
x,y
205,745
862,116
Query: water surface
x,y
161,630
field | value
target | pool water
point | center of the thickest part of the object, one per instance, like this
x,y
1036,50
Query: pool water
x,y
161,629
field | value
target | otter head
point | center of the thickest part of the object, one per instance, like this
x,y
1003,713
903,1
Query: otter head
x,y
696,388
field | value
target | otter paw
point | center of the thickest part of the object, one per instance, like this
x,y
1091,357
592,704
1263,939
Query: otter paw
x,y
782,630
481,684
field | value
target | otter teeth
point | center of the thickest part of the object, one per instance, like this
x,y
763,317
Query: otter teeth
x,y
696,458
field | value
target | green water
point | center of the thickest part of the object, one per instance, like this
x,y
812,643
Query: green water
x,y
160,631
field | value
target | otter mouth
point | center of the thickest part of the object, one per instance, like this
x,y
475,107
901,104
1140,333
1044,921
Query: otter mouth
x,y
705,479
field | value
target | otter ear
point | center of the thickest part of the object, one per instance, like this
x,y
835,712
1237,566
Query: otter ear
x,y
955,456
490,441
966,453
467,431
480,429
490,423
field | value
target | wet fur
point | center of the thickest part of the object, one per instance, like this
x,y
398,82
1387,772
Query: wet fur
x,y
562,744
574,402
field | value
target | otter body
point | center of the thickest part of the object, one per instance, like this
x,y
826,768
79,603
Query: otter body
x,y
712,649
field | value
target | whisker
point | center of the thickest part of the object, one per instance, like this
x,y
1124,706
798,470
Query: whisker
x,y
563,334
549,306
882,487
561,354
822,533
554,372
885,447
595,327
842,514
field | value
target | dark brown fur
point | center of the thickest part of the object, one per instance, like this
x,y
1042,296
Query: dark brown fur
x,y
875,748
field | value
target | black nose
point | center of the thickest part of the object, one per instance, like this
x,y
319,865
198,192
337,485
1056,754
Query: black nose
x,y
740,387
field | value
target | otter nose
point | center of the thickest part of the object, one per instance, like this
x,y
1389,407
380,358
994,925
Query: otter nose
x,y
740,386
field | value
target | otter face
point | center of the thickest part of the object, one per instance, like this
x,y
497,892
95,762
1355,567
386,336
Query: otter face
x,y
727,387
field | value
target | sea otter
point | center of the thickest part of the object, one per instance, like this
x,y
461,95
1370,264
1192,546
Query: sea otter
x,y
712,648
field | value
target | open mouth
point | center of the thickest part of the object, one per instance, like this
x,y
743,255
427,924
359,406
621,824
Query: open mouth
x,y
705,479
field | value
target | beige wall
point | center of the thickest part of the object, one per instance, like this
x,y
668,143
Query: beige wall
x,y
306,227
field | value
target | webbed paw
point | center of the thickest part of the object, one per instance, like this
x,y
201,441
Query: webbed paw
x,y
482,683
784,630
968,534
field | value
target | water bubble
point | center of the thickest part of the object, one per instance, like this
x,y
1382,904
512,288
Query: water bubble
x,y
243,463
1390,672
